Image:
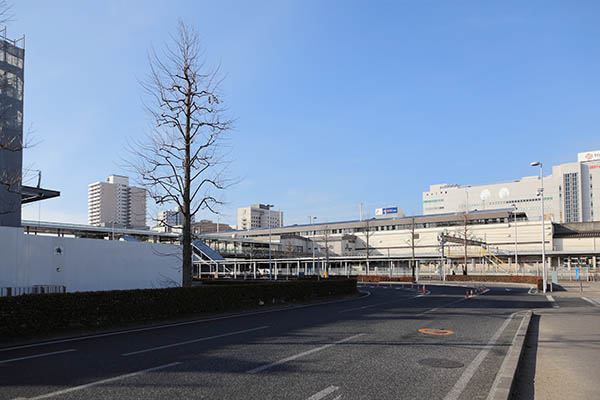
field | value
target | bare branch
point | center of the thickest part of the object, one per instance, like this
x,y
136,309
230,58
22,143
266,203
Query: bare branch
x,y
181,160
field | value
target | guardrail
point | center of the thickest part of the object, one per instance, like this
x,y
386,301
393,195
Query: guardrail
x,y
35,289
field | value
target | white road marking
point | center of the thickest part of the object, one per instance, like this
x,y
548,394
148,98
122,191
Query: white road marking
x,y
377,304
36,356
305,353
506,358
192,341
116,378
338,397
468,373
196,321
323,393
591,301
551,299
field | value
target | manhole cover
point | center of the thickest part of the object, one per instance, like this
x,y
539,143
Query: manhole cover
x,y
440,363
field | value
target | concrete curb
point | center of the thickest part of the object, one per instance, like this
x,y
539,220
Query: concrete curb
x,y
504,382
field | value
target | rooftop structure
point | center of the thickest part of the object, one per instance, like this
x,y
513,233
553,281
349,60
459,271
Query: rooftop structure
x,y
569,193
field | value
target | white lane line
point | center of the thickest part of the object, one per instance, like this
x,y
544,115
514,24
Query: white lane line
x,y
377,304
116,378
36,356
591,301
323,393
192,341
551,299
305,353
196,321
468,373
505,362
338,397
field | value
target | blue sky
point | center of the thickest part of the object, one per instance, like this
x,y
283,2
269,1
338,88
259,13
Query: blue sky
x,y
337,102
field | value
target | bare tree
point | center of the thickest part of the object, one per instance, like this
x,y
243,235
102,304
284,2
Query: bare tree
x,y
181,161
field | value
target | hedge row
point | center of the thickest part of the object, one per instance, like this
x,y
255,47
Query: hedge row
x,y
384,278
532,280
44,313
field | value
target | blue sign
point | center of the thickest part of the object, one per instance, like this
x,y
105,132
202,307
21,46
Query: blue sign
x,y
390,210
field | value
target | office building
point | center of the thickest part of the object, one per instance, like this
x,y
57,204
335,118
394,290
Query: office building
x,y
115,203
207,226
258,216
12,57
569,193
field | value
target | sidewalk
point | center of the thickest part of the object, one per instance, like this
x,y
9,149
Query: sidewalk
x,y
563,358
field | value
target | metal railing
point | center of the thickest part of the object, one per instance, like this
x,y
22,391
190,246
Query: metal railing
x,y
35,289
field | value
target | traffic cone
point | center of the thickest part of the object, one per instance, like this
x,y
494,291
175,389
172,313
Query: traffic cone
x,y
423,289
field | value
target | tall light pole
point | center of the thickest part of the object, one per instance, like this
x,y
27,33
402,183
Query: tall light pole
x,y
312,219
269,222
516,256
541,192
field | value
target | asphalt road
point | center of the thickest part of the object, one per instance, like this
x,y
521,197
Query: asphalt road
x,y
364,348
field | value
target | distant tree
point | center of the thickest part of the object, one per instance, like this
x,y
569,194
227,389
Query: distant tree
x,y
181,161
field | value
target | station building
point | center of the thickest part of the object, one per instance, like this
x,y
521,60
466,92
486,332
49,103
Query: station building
x,y
569,194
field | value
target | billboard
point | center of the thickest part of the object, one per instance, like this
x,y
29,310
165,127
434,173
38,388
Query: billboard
x,y
588,156
385,211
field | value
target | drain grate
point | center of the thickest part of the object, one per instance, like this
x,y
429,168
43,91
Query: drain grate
x,y
440,363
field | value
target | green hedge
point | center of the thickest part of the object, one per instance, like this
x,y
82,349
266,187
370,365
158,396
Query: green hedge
x,y
44,313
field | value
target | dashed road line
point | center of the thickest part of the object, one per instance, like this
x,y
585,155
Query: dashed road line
x,y
304,353
116,378
36,356
323,393
192,341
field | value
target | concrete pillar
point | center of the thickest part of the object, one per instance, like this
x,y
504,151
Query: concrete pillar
x,y
298,265
234,270
275,270
254,269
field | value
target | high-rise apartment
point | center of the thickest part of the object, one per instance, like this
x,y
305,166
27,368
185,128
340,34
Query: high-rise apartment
x,y
12,58
258,216
571,193
115,203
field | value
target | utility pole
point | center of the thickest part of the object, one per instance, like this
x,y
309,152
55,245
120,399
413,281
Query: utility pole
x,y
465,233
516,256
269,222
412,245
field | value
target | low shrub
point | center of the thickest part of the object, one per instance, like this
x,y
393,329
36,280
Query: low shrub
x,y
45,313
532,280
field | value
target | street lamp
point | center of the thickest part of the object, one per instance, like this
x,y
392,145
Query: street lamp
x,y
541,193
311,220
516,256
269,222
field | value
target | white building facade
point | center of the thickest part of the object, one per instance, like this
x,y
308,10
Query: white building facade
x,y
569,194
258,216
115,203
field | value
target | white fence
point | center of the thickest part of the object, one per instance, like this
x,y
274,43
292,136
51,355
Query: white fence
x,y
85,264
